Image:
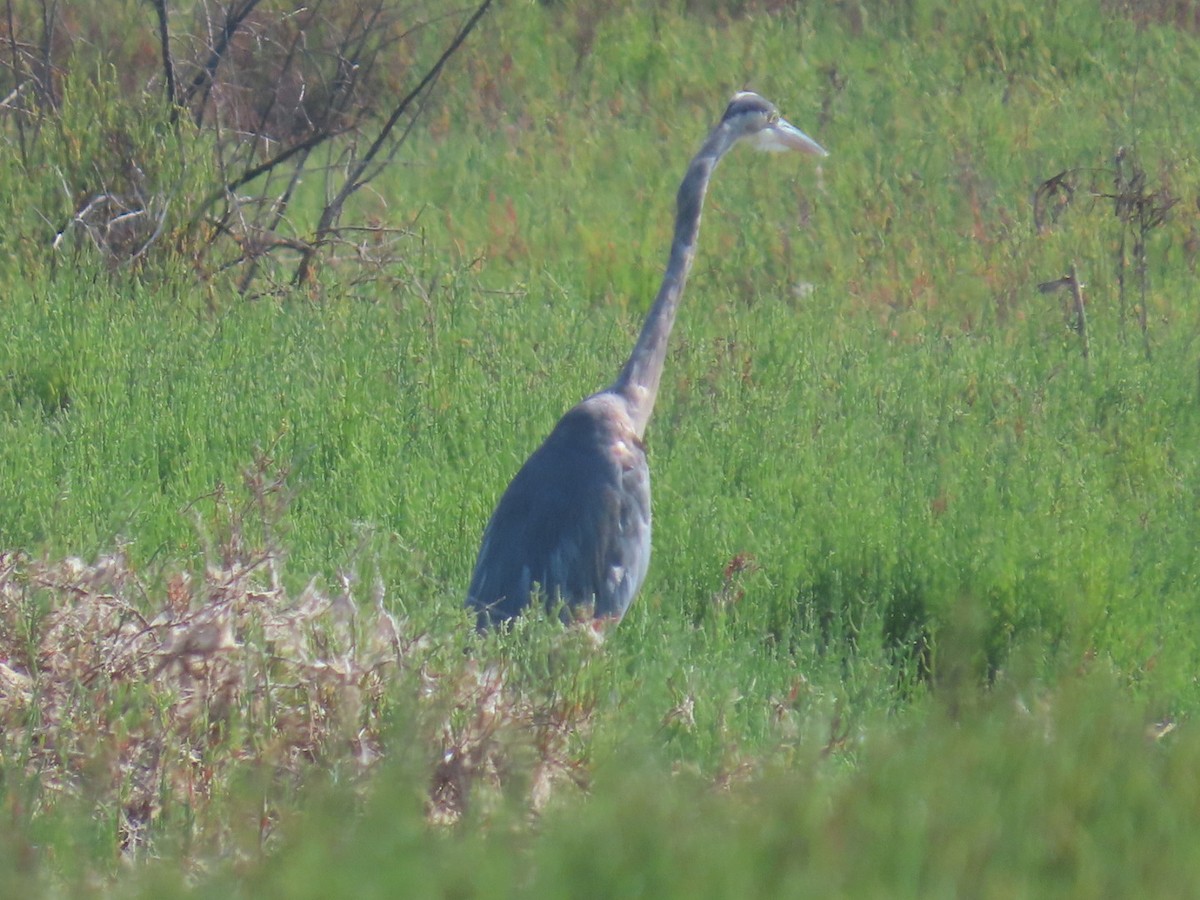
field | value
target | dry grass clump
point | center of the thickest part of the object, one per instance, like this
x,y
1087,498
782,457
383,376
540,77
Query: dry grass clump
x,y
145,698
501,736
141,701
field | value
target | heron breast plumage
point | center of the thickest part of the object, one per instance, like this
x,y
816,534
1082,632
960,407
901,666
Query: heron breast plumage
x,y
574,524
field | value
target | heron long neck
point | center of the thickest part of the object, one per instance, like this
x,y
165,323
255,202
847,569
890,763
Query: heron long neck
x,y
638,381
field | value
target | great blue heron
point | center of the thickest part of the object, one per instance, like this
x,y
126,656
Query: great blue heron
x,y
574,524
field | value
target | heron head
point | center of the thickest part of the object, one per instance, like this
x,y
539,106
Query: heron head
x,y
756,118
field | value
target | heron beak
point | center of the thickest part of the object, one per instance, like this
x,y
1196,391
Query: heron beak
x,y
782,135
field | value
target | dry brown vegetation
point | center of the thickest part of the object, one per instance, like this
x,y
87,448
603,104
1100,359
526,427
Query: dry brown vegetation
x,y
145,696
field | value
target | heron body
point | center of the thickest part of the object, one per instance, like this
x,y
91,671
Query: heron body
x,y
574,523
573,526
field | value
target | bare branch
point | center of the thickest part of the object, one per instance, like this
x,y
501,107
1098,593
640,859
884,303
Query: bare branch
x,y
46,75
17,81
164,40
1079,320
354,178
204,78
280,158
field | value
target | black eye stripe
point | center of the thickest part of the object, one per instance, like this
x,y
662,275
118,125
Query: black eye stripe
x,y
744,105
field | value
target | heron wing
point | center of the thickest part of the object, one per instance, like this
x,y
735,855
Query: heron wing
x,y
574,524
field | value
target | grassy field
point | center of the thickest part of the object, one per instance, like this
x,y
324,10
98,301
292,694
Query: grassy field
x,y
923,617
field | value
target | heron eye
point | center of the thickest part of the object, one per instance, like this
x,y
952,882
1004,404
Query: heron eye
x,y
772,117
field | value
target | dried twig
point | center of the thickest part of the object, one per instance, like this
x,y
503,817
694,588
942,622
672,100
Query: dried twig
x,y
1077,315
164,42
1138,208
234,17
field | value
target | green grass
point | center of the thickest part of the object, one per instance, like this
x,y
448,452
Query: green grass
x,y
924,572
